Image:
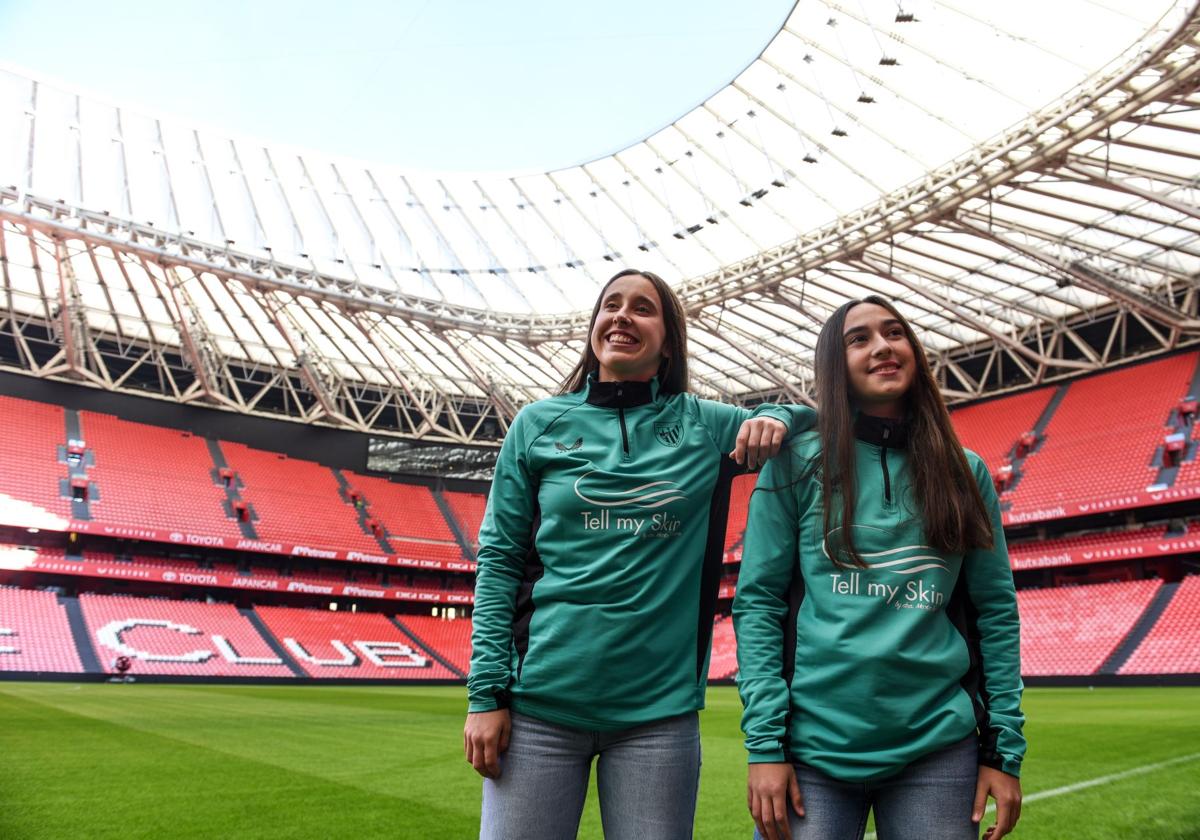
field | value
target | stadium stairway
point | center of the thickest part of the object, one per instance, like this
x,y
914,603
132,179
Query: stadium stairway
x,y
81,636
272,642
79,506
1167,475
363,511
456,527
1039,429
395,619
232,491
1137,633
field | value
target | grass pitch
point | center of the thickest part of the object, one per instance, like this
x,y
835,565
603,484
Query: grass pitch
x,y
184,761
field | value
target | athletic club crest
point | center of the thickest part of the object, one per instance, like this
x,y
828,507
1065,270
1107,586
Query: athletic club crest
x,y
669,433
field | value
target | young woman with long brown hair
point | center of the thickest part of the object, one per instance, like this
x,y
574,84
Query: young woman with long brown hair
x,y
876,618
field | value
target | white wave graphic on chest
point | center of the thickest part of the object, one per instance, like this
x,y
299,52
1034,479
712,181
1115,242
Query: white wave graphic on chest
x,y
651,495
912,554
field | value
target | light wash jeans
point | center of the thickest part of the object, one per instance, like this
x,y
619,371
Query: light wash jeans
x,y
647,777
930,799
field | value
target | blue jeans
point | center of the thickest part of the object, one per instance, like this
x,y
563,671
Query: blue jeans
x,y
930,799
647,777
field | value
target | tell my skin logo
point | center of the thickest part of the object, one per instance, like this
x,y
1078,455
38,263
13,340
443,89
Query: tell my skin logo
x,y
649,496
898,593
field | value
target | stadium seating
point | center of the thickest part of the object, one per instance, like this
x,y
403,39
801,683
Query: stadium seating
x,y
350,645
468,509
723,662
178,638
30,434
1074,629
1189,472
162,478
739,509
1064,631
1102,438
1173,644
991,429
451,638
406,510
296,501
153,477
34,633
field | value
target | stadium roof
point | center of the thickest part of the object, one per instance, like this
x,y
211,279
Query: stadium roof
x,y
1021,178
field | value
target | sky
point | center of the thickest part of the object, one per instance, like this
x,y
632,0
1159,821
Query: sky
x,y
517,85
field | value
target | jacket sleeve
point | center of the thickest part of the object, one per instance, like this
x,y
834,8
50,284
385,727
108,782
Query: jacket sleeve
x,y
505,538
994,598
760,609
723,420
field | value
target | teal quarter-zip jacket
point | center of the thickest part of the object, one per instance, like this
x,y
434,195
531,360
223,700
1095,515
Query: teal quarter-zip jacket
x,y
600,555
860,671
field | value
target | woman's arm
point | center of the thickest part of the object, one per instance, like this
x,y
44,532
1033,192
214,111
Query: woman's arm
x,y
505,538
753,437
760,609
992,594
769,559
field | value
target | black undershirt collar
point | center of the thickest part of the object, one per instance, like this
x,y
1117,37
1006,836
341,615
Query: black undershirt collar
x,y
620,394
881,431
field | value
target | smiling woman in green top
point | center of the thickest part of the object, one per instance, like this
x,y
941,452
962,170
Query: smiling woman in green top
x,y
876,618
599,562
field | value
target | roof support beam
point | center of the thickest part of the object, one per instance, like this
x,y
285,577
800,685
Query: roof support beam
x,y
1097,280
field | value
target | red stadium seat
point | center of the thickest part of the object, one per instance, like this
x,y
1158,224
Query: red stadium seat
x,y
1074,629
34,633
1103,435
407,511
296,501
181,638
1173,644
451,638
723,662
991,429
468,509
154,477
350,645
30,434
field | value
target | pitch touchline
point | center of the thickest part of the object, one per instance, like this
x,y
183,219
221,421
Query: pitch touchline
x,y
1099,780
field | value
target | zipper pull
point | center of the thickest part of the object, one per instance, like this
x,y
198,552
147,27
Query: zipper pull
x,y
887,432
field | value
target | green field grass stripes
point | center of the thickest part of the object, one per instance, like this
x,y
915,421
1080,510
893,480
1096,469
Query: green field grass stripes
x,y
311,762
1090,783
1111,777
166,787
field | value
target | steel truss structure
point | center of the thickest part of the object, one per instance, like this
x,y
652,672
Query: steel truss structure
x,y
1065,244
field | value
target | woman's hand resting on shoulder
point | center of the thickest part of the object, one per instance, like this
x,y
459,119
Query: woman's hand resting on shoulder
x,y
758,440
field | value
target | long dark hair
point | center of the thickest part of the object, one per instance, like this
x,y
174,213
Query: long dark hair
x,y
672,371
944,488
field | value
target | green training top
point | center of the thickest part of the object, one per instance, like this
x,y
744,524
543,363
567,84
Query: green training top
x,y
859,672
600,555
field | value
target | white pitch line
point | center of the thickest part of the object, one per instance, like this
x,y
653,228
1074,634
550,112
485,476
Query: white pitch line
x,y
1099,780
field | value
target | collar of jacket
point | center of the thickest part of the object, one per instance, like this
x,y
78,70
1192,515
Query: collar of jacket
x,y
880,431
620,394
